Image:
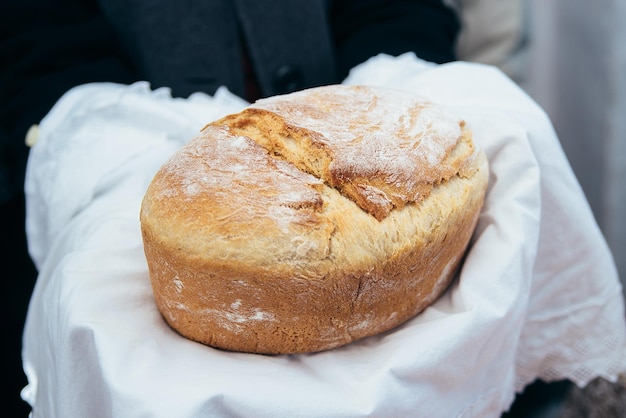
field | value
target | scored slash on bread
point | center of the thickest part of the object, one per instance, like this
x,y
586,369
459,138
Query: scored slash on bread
x,y
365,142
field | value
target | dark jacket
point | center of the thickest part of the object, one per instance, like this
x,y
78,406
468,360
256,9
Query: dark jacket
x,y
256,48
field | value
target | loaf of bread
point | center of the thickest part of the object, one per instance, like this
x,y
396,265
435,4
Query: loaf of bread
x,y
311,220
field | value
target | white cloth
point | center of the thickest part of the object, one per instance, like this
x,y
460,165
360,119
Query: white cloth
x,y
537,297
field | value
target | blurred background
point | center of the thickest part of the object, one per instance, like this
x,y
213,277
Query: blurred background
x,y
570,57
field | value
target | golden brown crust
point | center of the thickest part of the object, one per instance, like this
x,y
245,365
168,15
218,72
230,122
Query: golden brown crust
x,y
255,245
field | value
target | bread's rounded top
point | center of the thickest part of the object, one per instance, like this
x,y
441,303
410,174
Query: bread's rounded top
x,y
380,147
298,181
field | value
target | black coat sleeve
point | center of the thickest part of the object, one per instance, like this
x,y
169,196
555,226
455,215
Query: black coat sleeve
x,y
46,48
364,28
